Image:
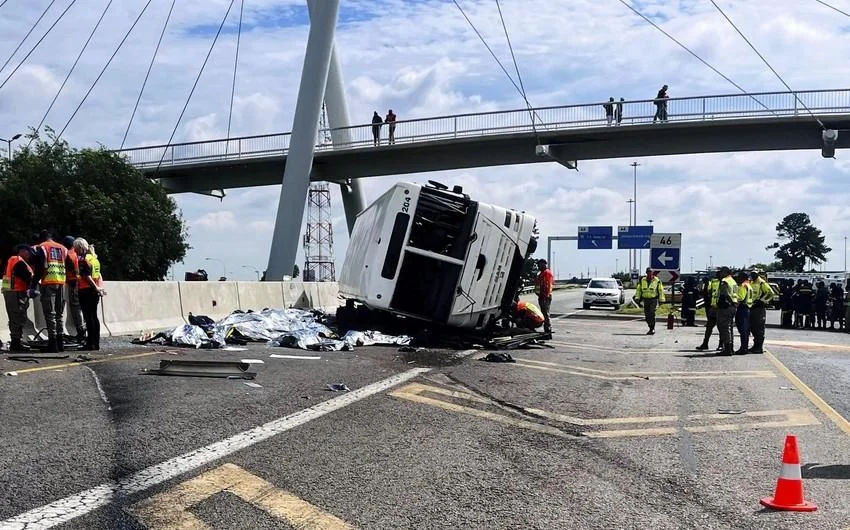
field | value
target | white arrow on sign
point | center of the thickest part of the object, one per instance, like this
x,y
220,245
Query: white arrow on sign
x,y
594,243
664,258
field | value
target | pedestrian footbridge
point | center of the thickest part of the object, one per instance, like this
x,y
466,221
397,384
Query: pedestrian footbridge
x,y
706,124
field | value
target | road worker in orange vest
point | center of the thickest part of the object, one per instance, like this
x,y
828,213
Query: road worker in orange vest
x,y
72,291
50,266
16,283
528,315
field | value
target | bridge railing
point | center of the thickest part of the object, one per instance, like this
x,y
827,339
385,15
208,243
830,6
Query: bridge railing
x,y
541,120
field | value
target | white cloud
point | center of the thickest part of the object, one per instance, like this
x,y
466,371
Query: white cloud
x,y
421,59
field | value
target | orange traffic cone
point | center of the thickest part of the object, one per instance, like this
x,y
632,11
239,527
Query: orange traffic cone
x,y
789,487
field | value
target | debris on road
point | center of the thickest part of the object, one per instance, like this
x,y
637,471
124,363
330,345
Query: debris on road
x,y
730,411
498,358
35,356
303,357
10,373
199,368
252,385
337,387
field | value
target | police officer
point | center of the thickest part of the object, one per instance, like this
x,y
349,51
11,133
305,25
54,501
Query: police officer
x,y
762,297
710,304
690,294
16,282
742,314
726,301
650,291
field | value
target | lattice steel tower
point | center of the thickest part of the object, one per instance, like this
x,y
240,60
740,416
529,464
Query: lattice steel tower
x,y
318,236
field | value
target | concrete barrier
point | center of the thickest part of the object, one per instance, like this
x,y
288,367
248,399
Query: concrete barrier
x,y
131,307
213,299
259,295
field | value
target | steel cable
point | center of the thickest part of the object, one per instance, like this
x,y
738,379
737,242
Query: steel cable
x,y
103,70
845,13
28,33
531,111
46,33
235,65
148,73
198,78
73,67
767,64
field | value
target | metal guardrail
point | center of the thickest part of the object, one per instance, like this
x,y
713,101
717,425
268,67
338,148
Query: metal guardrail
x,y
545,119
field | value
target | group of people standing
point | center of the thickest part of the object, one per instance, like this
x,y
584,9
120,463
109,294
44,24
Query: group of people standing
x,y
614,109
377,122
807,307
740,304
52,271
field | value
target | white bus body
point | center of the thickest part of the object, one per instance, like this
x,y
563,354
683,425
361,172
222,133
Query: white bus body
x,y
433,254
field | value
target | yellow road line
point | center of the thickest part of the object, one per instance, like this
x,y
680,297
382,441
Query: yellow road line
x,y
610,375
609,349
67,365
791,418
169,510
816,400
813,345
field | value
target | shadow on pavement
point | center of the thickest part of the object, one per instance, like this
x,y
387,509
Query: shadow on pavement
x,y
833,471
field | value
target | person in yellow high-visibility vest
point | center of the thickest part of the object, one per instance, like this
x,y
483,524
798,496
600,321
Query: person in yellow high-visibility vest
x,y
762,297
742,314
650,291
726,301
711,287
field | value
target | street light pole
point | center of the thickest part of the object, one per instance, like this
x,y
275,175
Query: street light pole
x,y
692,264
634,197
845,254
223,266
257,272
631,223
9,144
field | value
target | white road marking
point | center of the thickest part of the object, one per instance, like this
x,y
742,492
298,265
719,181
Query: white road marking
x,y
99,388
568,315
69,508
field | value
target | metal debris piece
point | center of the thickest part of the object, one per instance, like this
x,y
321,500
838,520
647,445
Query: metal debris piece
x,y
252,385
303,357
196,368
730,411
35,356
337,387
10,373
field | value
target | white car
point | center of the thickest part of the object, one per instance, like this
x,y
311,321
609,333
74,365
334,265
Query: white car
x,y
603,292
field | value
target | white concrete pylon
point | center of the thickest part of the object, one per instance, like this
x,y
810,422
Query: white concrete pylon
x,y
299,160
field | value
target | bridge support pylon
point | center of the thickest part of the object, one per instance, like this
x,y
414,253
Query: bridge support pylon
x,y
305,125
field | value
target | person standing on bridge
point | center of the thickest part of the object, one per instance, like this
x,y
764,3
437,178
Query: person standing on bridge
x,y
661,105
543,287
609,110
390,121
376,128
619,111
650,291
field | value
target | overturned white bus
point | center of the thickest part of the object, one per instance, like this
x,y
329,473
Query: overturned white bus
x,y
433,254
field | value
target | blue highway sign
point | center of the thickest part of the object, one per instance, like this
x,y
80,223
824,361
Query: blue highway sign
x,y
633,236
595,237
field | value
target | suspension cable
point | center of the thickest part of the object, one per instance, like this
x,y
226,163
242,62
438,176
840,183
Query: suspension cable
x,y
531,112
768,64
148,73
198,78
495,58
3,3
46,33
103,70
235,65
74,66
46,9
845,13
700,59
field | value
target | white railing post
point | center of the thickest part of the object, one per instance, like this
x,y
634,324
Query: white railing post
x,y
239,148
703,109
172,155
455,120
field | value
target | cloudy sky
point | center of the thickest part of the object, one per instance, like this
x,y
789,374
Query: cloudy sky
x,y
421,58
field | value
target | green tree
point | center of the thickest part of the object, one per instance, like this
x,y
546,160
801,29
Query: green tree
x,y
295,271
96,194
803,243
769,267
529,271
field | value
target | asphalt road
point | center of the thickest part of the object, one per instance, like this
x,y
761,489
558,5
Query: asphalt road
x,y
607,428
